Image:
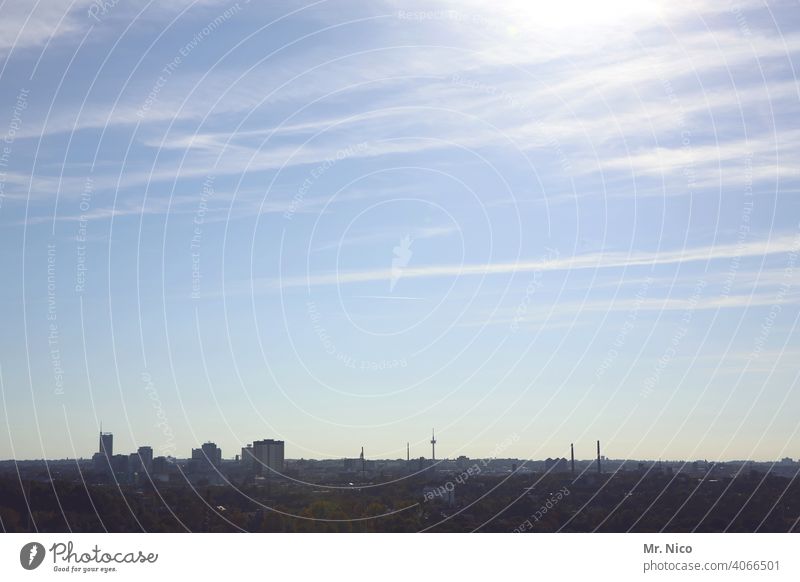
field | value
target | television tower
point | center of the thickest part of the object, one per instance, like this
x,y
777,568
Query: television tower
x,y
408,452
363,464
433,445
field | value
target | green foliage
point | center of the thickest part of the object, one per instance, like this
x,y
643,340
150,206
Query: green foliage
x,y
623,502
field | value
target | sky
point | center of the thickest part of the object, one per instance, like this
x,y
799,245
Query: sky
x,y
345,224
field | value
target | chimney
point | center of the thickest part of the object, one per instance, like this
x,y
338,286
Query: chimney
x,y
572,456
598,457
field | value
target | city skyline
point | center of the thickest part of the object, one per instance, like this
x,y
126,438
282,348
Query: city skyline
x,y
106,443
340,225
261,490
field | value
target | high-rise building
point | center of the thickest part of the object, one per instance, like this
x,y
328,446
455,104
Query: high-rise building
x,y
268,457
102,458
213,453
146,458
207,458
106,444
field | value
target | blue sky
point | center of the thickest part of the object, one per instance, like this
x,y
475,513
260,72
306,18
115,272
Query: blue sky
x,y
343,224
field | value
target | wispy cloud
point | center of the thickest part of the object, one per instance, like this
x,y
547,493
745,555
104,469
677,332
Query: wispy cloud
x,y
553,315
388,235
778,245
29,24
631,98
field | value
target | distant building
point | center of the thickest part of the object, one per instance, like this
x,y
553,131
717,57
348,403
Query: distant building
x,y
247,460
134,464
119,463
268,456
107,444
102,459
99,462
146,458
160,466
207,458
213,453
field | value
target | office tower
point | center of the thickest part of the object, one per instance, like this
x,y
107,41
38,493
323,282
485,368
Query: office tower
x,y
106,444
268,455
102,459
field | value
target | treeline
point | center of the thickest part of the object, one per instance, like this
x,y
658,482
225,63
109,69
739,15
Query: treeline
x,y
626,501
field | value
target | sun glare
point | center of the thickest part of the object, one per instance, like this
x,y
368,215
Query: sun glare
x,y
579,14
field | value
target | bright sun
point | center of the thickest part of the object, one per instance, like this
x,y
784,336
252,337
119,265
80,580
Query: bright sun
x,y
578,14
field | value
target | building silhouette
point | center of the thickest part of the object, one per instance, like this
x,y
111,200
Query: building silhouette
x,y
206,459
103,459
247,459
145,459
264,457
106,444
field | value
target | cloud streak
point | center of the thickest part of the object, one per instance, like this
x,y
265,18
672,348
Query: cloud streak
x,y
602,260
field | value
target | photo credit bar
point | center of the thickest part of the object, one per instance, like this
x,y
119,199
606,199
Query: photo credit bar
x,y
130,556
